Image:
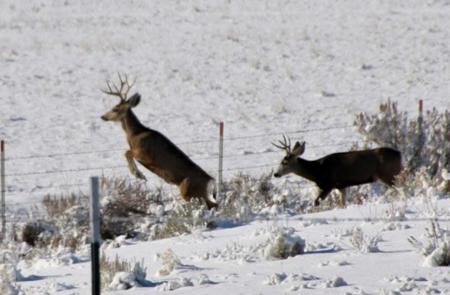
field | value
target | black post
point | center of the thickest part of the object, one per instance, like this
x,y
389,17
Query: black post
x,y
95,237
3,187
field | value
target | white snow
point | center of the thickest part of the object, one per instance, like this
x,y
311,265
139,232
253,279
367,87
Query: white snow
x,y
264,68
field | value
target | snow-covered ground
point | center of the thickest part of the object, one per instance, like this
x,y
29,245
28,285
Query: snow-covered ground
x,y
264,68
230,260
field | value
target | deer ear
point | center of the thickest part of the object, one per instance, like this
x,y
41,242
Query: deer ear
x,y
134,100
299,148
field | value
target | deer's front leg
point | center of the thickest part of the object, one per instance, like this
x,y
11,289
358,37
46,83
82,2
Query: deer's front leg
x,y
132,165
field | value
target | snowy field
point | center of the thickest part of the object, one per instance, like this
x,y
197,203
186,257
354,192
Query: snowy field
x,y
228,261
304,68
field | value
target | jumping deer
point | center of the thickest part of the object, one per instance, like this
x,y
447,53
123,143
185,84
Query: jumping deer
x,y
155,151
340,170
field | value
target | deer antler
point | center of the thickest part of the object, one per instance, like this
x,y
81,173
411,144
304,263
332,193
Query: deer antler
x,y
122,90
284,145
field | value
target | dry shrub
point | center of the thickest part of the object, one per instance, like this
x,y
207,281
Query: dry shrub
x,y
364,243
125,205
39,233
109,269
57,206
31,232
435,245
66,224
169,262
246,196
283,243
130,197
70,217
185,218
423,141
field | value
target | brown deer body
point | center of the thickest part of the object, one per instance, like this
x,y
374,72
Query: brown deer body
x,y
341,170
156,152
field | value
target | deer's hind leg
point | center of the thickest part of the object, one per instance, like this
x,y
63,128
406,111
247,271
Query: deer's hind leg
x,y
342,196
184,189
323,193
132,165
387,179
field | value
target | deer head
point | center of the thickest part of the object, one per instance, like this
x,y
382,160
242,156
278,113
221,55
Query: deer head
x,y
119,111
289,161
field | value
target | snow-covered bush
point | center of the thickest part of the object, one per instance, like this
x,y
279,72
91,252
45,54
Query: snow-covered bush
x,y
440,256
53,234
169,261
423,141
435,247
57,206
396,211
125,204
130,209
247,197
283,243
275,279
420,184
7,287
175,284
32,231
183,219
335,283
278,243
66,223
120,274
69,220
9,273
364,243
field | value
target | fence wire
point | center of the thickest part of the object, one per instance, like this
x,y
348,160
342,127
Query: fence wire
x,y
81,186
198,158
261,135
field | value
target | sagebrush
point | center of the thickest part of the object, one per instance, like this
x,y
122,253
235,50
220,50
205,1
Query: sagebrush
x,y
121,274
423,140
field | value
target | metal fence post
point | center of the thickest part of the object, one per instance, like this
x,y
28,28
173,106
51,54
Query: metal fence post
x,y
420,118
421,132
95,236
3,188
219,178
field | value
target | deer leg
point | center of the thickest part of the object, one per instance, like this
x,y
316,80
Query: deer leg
x,y
322,195
388,180
184,189
132,165
342,198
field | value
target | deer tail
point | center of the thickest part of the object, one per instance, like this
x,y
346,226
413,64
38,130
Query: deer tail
x,y
211,195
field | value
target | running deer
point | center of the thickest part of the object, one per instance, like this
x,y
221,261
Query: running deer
x,y
155,151
340,170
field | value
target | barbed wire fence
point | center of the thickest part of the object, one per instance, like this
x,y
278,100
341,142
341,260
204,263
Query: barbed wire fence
x,y
103,170
19,186
193,157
